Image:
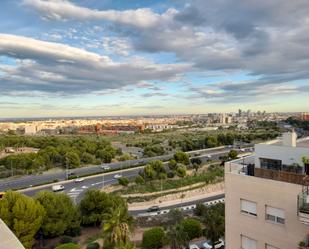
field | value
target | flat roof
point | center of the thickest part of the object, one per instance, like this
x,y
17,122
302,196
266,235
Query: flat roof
x,y
302,142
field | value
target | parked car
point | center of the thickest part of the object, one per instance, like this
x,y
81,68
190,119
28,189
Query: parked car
x,y
79,180
153,209
105,167
193,246
208,244
57,188
117,176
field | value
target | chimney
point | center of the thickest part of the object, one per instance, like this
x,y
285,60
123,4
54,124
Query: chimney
x,y
289,139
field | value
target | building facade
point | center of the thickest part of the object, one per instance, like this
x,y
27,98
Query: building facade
x,y
267,198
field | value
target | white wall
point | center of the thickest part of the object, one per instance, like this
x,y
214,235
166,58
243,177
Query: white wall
x,y
287,154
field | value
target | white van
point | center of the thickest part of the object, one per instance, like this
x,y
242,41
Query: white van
x,y
56,188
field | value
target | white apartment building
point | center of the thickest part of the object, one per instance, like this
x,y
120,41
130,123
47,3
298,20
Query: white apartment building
x,y
267,197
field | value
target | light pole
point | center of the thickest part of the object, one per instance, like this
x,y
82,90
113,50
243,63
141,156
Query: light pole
x,y
66,168
102,176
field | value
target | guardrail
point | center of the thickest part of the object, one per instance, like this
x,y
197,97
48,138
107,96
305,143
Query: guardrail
x,y
182,208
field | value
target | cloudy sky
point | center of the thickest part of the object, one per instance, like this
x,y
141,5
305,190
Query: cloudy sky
x,y
116,57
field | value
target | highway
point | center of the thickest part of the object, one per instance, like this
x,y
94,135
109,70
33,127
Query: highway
x,y
76,190
32,180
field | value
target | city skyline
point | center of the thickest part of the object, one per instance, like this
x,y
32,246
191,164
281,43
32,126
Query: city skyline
x,y
84,58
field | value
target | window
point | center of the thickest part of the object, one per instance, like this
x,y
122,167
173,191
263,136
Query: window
x,y
267,246
275,215
247,243
273,164
248,207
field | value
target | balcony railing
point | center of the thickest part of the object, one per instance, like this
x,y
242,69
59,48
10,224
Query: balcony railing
x,y
280,175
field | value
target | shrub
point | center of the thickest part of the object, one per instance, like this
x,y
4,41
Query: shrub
x,y
66,239
123,181
68,246
233,154
153,238
181,171
192,227
94,245
139,180
170,174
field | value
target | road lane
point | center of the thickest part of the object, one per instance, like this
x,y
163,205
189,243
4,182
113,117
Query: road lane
x,y
31,180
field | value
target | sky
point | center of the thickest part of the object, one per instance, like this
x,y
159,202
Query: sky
x,y
120,57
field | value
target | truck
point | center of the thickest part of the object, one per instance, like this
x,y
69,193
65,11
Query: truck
x,y
56,188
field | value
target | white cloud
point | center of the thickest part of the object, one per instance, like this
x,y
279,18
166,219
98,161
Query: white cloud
x,y
62,10
54,67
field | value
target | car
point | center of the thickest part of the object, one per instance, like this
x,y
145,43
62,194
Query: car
x,y
208,156
105,167
117,176
192,246
79,180
243,150
208,244
153,209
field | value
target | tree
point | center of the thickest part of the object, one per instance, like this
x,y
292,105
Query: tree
x,y
23,215
123,181
214,222
182,157
116,226
175,216
192,227
93,207
200,209
68,246
87,158
72,159
106,155
177,237
172,164
196,163
157,166
61,214
233,154
153,238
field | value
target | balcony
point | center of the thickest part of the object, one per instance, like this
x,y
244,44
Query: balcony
x,y
303,207
280,175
